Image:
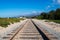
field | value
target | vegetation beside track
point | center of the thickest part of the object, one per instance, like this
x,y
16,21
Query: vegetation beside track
x,y
4,22
56,21
53,15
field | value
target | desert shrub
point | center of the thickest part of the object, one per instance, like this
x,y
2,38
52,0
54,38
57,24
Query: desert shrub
x,y
4,22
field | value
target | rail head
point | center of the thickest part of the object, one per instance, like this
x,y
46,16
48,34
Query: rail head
x,y
17,31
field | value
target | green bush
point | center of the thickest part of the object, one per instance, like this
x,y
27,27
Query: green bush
x,y
57,21
4,22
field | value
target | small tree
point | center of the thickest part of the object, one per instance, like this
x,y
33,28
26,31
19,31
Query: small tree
x,y
57,14
52,14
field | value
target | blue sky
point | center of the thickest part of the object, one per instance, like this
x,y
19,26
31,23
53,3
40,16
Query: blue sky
x,y
9,8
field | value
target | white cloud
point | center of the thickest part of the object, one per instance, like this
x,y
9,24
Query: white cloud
x,y
34,12
56,2
48,7
37,12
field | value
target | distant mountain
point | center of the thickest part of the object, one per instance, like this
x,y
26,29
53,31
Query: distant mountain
x,y
29,15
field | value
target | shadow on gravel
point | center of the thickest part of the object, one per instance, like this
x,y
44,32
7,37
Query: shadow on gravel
x,y
42,34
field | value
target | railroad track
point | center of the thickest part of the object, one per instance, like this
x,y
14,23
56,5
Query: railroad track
x,y
30,31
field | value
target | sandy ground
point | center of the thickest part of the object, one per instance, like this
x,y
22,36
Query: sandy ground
x,y
11,27
1,28
52,25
